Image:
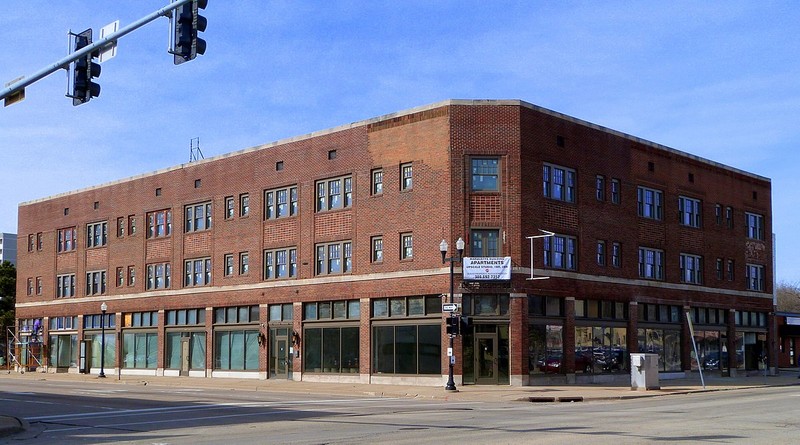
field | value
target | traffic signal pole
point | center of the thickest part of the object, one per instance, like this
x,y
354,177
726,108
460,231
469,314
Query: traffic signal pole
x,y
83,52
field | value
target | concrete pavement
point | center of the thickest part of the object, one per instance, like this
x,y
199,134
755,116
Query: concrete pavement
x,y
553,394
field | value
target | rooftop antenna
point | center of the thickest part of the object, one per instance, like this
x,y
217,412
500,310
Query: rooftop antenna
x,y
194,150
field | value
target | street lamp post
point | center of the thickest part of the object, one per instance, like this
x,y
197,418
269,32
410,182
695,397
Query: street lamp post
x,y
103,309
451,384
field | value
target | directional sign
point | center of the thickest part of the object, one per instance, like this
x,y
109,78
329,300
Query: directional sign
x,y
451,307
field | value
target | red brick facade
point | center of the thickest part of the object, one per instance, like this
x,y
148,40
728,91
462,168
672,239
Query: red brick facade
x,y
439,142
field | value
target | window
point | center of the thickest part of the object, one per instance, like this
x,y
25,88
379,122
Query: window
x,y
718,214
38,285
120,227
601,253
720,269
485,243
39,241
406,176
244,263
558,183
651,263
334,258
650,203
139,350
332,310
131,276
377,249
67,239
485,175
228,264
96,283
280,264
600,187
615,191
689,211
159,276
159,224
185,317
244,204
236,315
754,274
120,277
376,186
729,217
281,312
560,252
334,193
406,246
96,234
279,166
236,350
131,224
331,349
280,203
755,226
407,349
197,272
198,217
616,255
65,286
731,270
691,269
30,286
331,154
229,207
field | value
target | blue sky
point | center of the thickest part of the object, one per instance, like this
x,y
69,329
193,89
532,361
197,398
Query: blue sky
x,y
716,79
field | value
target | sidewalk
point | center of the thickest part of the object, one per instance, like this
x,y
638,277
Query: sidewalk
x,y
553,394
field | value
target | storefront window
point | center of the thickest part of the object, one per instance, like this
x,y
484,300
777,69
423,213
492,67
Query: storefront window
x,y
331,349
664,342
236,350
407,349
601,349
546,349
197,349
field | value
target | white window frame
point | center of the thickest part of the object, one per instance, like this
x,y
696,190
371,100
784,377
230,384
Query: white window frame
x,y
755,225
650,203
559,183
754,274
690,211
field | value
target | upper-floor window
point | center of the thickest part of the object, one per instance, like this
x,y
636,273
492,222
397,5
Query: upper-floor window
x,y
67,239
198,217
718,214
729,217
159,276
244,263
558,183
651,263
755,225
616,255
615,191
280,203
377,249
754,275
244,204
334,193
131,224
159,224
197,272
65,286
691,269
406,246
230,207
406,176
601,253
560,252
484,242
120,227
650,203
96,282
689,211
97,234
280,263
228,264
485,174
39,241
31,242
334,258
600,187
376,185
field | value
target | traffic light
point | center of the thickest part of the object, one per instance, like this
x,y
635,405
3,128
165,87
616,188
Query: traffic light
x,y
84,69
188,23
453,323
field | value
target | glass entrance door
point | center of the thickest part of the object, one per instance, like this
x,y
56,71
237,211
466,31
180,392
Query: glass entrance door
x,y
280,360
486,372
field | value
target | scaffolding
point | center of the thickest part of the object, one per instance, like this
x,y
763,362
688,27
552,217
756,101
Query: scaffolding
x,y
23,355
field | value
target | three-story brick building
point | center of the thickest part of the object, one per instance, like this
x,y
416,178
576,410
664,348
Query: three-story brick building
x,y
317,257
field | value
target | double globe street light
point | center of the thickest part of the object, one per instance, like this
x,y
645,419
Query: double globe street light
x,y
443,246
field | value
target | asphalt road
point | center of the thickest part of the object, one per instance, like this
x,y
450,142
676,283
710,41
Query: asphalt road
x,y
79,412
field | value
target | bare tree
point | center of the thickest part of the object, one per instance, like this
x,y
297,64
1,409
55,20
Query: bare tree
x,y
788,297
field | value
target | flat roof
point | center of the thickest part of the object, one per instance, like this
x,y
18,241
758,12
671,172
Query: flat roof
x,y
444,103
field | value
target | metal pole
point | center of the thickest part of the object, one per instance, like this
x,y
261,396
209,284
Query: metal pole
x,y
64,63
102,343
451,384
